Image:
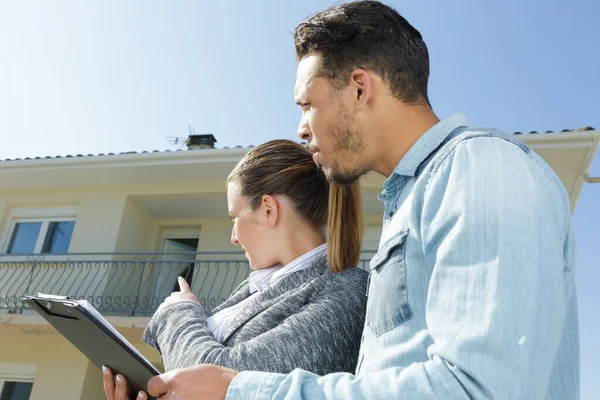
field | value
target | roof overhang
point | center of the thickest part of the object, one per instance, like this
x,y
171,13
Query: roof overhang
x,y
570,154
202,165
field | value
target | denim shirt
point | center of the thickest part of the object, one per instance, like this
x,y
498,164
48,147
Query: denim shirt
x,y
471,292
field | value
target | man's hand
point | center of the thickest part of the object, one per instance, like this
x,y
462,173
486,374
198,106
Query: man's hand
x,y
202,382
185,294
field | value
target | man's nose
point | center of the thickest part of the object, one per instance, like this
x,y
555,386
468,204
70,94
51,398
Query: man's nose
x,y
304,132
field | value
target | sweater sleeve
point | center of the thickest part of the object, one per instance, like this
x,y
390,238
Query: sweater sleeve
x,y
321,335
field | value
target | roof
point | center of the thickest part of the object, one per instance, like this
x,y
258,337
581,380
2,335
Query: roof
x,y
583,129
120,154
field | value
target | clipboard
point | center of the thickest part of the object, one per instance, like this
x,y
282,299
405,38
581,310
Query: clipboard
x,y
80,323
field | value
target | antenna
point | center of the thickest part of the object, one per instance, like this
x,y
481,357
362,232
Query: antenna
x,y
176,140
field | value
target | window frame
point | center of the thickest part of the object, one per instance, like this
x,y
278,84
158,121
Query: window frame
x,y
45,216
17,372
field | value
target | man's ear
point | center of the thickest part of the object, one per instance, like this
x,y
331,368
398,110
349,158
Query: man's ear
x,y
363,88
270,209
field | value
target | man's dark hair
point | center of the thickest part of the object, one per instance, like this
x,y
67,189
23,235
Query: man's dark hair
x,y
368,35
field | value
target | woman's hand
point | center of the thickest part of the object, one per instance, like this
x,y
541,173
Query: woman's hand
x,y
185,294
118,390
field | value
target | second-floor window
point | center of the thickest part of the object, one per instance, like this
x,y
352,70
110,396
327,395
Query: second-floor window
x,y
47,236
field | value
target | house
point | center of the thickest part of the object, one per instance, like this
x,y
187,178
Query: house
x,y
117,229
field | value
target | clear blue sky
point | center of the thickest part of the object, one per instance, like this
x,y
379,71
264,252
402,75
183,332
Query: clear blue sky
x,y
83,77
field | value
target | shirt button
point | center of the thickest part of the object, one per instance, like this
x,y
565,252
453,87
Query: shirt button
x,y
391,214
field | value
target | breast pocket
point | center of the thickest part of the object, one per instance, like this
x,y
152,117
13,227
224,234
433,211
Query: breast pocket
x,y
387,305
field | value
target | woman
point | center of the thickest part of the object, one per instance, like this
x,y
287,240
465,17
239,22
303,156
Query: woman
x,y
304,304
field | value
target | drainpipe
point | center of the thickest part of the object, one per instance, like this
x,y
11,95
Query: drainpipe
x,y
588,179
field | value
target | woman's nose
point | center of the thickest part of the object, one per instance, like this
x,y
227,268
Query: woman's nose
x,y
234,239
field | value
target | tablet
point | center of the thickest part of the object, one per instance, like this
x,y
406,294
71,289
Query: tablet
x,y
80,323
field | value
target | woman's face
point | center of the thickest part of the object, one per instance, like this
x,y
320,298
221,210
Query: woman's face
x,y
249,231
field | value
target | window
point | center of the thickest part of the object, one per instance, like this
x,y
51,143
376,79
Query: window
x,y
12,390
16,380
51,235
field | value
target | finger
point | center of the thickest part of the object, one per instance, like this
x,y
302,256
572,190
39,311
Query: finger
x,y
169,396
183,285
142,396
121,392
157,385
108,382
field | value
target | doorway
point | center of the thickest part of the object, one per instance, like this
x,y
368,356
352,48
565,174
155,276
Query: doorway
x,y
178,254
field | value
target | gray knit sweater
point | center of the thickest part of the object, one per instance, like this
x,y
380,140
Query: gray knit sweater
x,y
312,319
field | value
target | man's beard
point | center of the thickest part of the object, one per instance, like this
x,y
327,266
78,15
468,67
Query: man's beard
x,y
337,177
348,139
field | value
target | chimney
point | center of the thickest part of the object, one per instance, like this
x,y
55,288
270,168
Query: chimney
x,y
200,142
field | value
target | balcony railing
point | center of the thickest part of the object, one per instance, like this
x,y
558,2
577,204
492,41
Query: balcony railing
x,y
122,284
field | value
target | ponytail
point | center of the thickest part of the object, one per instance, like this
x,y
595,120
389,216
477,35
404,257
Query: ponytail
x,y
287,168
344,226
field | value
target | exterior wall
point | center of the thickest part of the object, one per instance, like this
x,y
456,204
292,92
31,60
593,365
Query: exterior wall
x,y
135,228
98,221
60,369
92,384
3,218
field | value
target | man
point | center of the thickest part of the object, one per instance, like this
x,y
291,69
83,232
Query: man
x,y
472,293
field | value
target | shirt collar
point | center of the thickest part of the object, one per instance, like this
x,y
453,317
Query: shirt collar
x,y
426,144
259,280
300,263
262,279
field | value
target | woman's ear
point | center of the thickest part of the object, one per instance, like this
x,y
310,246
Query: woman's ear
x,y
270,210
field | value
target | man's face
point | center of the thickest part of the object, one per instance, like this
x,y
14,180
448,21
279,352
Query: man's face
x,y
335,135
